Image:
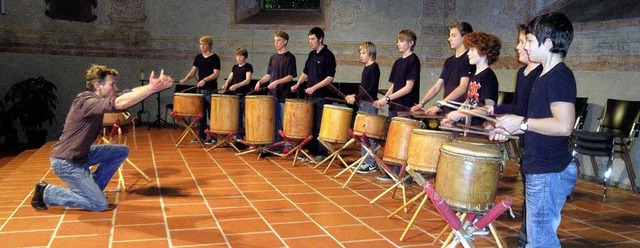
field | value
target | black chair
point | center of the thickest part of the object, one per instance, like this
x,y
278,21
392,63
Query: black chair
x,y
617,130
581,112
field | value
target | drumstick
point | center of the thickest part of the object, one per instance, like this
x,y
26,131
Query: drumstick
x,y
188,89
438,117
421,108
254,90
365,92
335,99
405,113
473,128
467,111
334,89
472,131
464,104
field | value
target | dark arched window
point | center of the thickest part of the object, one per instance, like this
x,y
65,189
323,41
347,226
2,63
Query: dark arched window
x,y
72,10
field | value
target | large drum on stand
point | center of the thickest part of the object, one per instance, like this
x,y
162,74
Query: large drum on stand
x,y
467,176
397,144
260,119
225,111
187,104
424,149
373,125
336,120
298,118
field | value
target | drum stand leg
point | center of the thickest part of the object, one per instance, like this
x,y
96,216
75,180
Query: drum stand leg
x,y
334,153
222,140
415,215
188,128
260,149
353,167
297,148
399,179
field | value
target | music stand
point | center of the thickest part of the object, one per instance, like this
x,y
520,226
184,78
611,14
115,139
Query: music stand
x,y
142,111
159,120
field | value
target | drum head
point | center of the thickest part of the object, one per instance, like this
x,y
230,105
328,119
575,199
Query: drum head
x,y
187,94
409,121
471,150
340,108
258,97
434,133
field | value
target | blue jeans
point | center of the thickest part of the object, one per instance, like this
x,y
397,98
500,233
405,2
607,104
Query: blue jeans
x,y
545,196
369,108
279,120
85,188
206,112
241,118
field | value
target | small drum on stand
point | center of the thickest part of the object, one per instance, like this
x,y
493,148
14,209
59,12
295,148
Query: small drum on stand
x,y
373,125
111,118
260,119
225,110
298,118
335,123
424,149
187,104
396,147
467,176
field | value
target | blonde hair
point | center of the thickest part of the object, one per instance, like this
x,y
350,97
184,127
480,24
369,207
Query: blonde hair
x,y
407,35
206,39
370,47
242,51
97,73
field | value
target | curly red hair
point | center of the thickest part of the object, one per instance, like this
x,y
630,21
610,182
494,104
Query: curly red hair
x,y
487,44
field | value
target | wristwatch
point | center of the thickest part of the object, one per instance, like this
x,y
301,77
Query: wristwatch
x,y
388,99
524,125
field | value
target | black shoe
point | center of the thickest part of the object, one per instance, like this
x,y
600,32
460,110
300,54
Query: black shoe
x,y
37,202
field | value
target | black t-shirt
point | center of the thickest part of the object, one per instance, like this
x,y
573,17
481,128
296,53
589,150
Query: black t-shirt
x,y
318,67
280,66
239,75
406,69
454,69
521,98
547,154
205,68
369,82
482,86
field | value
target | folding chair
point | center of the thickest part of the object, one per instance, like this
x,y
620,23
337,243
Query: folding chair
x,y
616,132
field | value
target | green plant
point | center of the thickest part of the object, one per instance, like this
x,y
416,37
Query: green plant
x,y
33,103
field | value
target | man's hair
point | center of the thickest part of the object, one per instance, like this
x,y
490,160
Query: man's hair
x,y
407,35
487,44
281,34
555,26
318,32
370,47
206,39
97,73
242,51
463,27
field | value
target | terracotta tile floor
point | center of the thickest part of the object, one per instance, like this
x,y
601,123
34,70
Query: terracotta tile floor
x,y
218,199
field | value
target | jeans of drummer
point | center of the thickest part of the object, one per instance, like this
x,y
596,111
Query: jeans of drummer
x,y
241,118
369,108
279,120
206,109
86,188
545,197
